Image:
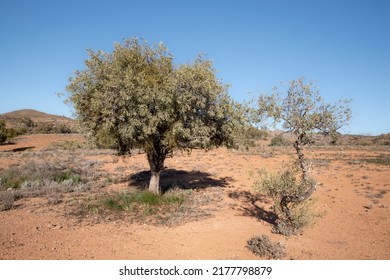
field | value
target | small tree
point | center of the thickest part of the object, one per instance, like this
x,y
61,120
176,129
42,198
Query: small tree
x,y
302,112
3,132
136,95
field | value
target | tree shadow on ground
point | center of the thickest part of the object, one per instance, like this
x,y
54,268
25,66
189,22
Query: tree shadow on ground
x,y
249,207
173,178
21,149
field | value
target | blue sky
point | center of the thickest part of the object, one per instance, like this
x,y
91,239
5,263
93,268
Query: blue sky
x,y
342,45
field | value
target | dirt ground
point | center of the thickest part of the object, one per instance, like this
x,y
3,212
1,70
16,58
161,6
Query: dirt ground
x,y
353,196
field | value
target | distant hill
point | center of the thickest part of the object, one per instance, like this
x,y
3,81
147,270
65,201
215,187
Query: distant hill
x,y
33,121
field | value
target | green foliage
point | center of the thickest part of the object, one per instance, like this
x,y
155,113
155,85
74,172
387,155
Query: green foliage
x,y
136,98
279,140
146,199
104,140
256,134
302,111
248,136
28,123
3,132
47,128
287,182
6,133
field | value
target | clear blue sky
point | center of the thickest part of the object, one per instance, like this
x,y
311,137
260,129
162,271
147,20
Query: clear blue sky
x,y
342,45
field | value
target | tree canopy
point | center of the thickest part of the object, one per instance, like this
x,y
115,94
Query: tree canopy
x,y
302,111
142,100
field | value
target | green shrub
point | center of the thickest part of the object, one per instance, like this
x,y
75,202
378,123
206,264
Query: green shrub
x,y
49,128
287,182
256,134
3,132
279,140
104,140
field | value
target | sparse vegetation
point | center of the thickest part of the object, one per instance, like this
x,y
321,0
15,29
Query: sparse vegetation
x,y
150,202
279,140
173,208
380,160
31,122
33,174
69,145
48,179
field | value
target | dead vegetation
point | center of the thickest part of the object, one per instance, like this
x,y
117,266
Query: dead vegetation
x,y
262,246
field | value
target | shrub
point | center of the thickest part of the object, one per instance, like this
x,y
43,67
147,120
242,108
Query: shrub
x,y
6,200
279,140
256,134
48,128
286,183
69,145
3,132
263,247
32,174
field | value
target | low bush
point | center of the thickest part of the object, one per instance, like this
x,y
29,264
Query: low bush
x,y
262,246
287,182
6,200
279,140
5,133
256,134
32,174
48,179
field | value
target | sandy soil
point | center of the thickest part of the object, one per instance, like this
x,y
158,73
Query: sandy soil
x,y
353,195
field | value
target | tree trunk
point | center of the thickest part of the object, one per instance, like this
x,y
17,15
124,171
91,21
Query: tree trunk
x,y
311,184
156,158
154,184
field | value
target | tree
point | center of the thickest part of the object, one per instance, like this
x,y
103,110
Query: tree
x,y
302,112
137,96
3,132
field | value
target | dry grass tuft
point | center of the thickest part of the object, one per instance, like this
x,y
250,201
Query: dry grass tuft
x,y
262,246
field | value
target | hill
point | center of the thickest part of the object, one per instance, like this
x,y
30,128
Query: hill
x,y
33,121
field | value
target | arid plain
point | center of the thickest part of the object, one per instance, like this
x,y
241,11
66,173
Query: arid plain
x,y
223,209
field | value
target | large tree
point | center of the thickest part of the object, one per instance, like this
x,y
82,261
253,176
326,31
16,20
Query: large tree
x,y
142,100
